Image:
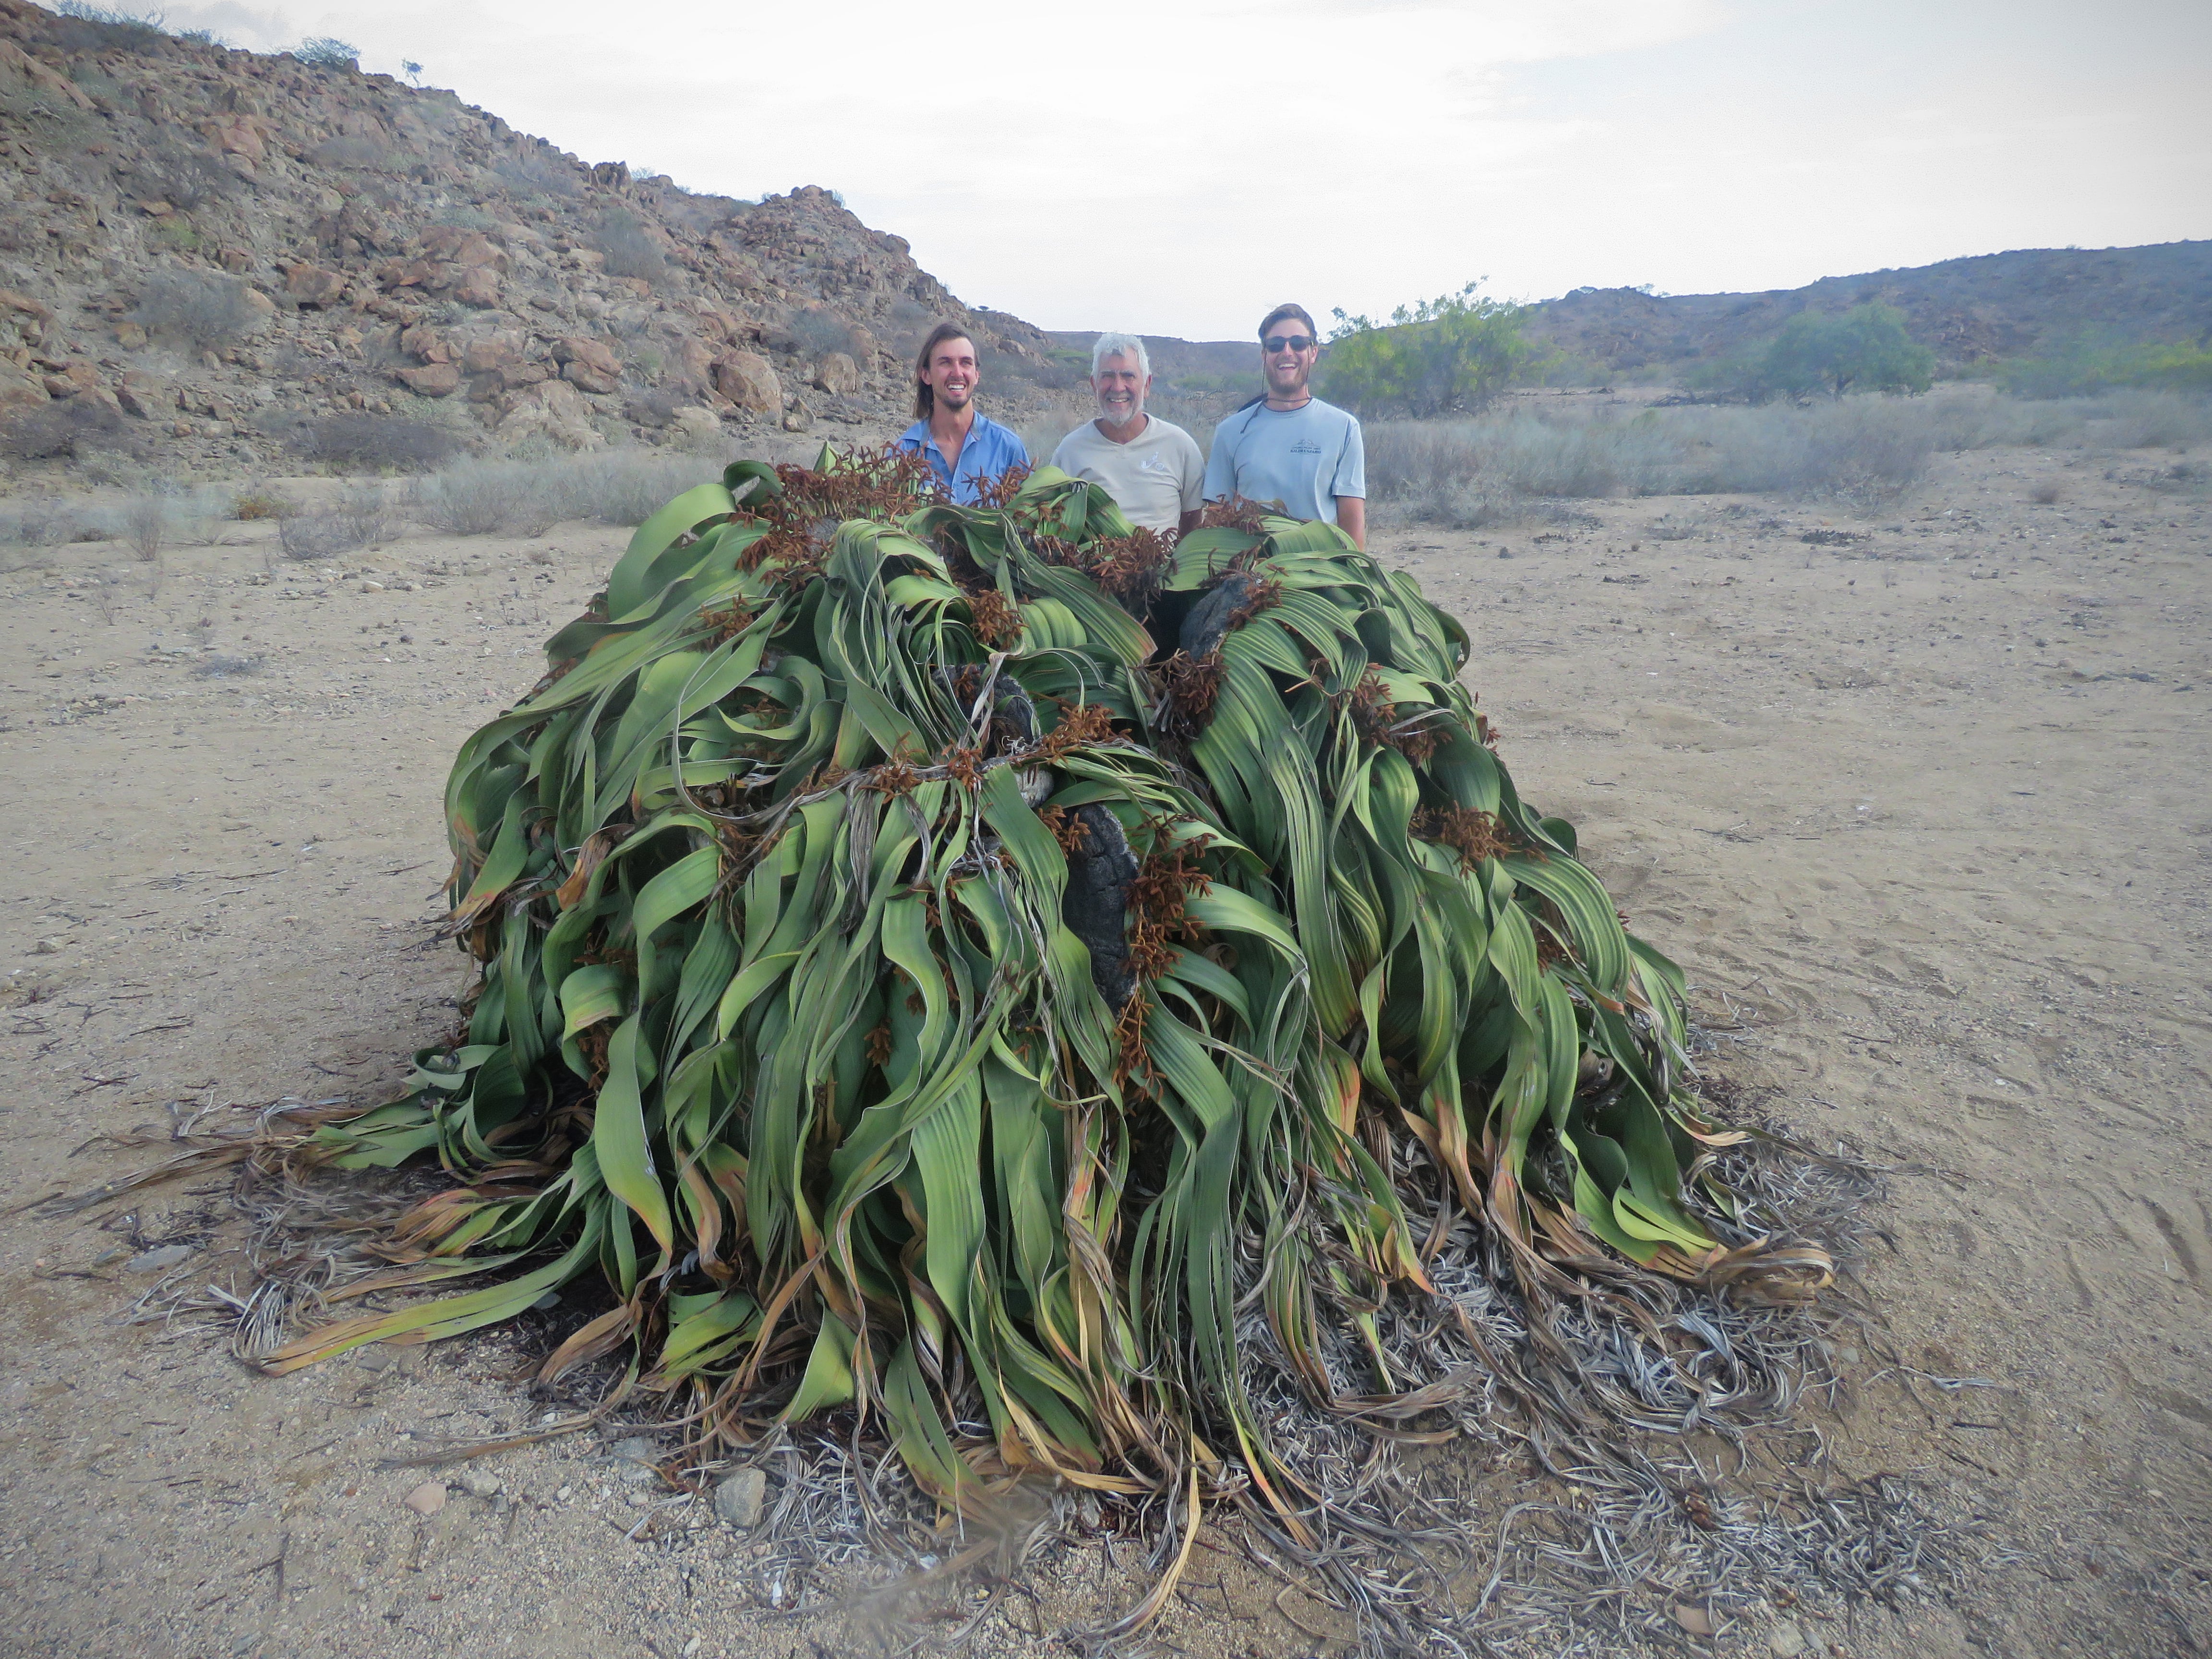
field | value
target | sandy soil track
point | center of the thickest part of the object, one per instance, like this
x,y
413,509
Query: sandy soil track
x,y
1919,801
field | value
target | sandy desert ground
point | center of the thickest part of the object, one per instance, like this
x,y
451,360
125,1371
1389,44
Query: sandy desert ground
x,y
1919,799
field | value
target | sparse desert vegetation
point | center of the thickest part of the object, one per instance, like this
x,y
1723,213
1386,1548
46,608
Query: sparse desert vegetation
x,y
1859,452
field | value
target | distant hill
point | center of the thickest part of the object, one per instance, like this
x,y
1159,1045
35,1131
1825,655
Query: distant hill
x,y
1967,311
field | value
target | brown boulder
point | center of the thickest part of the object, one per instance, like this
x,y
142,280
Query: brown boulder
x,y
487,353
410,273
147,396
23,304
694,364
477,287
238,136
589,378
426,342
71,380
312,285
721,325
431,381
587,363
467,248
19,390
20,67
553,410
836,373
693,428
748,381
97,408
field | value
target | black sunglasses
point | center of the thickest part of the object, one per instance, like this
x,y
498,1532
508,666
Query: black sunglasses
x,y
1275,342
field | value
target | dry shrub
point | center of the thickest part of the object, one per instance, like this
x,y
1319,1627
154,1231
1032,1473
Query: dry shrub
x,y
1487,470
263,503
631,249
145,524
42,522
378,442
621,487
361,516
482,498
75,426
196,306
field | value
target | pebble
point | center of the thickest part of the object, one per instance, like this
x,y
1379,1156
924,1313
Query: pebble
x,y
372,587
161,1261
428,1498
45,947
478,1483
1785,1641
635,1455
739,1500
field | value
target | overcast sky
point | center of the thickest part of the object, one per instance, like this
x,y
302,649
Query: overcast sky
x,y
1177,166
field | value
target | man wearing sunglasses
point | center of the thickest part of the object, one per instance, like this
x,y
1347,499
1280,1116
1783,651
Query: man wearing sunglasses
x,y
1289,446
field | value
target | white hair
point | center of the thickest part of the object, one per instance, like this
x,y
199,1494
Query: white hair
x,y
1120,345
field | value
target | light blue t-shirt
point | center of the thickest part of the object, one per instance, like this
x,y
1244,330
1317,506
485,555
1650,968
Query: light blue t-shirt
x,y
1303,458
985,454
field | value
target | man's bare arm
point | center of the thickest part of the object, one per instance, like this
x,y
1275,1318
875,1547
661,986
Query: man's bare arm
x,y
1190,521
1352,519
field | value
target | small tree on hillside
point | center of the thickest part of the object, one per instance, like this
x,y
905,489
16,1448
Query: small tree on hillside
x,y
1454,352
327,52
1865,348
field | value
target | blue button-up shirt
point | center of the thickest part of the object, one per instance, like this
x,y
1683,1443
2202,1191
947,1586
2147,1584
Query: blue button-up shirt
x,y
990,449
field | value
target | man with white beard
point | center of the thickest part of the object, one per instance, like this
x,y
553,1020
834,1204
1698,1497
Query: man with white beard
x,y
1150,467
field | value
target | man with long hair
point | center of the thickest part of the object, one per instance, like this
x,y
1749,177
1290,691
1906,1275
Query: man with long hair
x,y
1288,445
1150,467
966,450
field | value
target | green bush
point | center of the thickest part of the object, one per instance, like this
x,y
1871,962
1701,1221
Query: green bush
x,y
327,52
1452,353
1865,348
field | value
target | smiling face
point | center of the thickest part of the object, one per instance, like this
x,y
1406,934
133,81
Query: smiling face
x,y
1285,361
951,373
1119,387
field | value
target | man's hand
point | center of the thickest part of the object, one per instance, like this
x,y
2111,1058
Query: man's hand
x,y
1352,519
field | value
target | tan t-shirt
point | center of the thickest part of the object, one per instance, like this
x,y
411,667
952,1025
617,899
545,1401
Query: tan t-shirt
x,y
1155,477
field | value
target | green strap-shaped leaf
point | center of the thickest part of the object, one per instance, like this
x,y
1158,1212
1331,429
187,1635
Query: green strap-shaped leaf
x,y
618,1138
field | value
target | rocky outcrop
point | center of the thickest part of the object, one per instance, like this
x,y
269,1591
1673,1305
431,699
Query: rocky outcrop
x,y
239,246
587,364
749,381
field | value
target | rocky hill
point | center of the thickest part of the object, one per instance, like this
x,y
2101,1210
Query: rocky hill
x,y
213,259
1967,311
